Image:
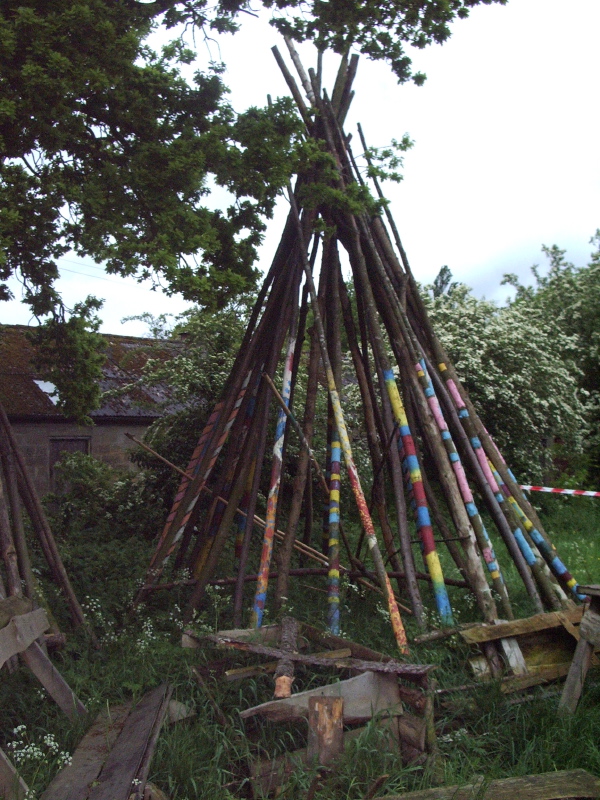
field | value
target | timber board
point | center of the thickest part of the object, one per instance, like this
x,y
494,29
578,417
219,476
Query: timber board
x,y
21,631
12,786
75,781
364,696
127,755
516,627
575,783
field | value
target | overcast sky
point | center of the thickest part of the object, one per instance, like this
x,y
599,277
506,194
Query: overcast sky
x,y
506,131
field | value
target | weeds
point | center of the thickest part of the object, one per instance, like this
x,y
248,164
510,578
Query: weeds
x,y
480,732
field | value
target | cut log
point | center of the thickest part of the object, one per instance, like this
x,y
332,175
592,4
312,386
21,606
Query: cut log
x,y
364,697
21,632
284,673
575,783
325,729
269,773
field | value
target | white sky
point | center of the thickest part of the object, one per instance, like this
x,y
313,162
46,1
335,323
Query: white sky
x,y
506,133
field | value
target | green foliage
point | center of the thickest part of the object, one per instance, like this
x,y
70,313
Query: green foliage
x,y
520,370
384,162
479,730
69,354
379,29
568,298
93,496
108,150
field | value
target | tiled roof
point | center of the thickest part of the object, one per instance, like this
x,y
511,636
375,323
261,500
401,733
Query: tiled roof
x,y
23,399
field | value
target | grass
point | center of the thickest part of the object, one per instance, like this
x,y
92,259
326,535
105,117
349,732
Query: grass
x,y
480,731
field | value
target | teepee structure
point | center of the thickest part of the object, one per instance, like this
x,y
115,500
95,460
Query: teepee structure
x,y
413,408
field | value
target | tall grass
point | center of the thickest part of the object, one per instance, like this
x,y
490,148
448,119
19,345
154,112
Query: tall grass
x,y
481,731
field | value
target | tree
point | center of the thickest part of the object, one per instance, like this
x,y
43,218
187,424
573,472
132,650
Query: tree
x,y
108,150
520,370
568,299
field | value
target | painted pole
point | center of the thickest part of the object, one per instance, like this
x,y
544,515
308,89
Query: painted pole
x,y
363,509
267,549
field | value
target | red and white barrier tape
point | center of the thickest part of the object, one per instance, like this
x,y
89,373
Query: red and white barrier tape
x,y
578,492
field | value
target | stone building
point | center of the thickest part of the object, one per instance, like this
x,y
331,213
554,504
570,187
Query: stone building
x,y
43,433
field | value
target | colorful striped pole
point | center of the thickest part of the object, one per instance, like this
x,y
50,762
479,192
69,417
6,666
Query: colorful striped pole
x,y
262,583
547,551
483,540
333,578
363,508
411,464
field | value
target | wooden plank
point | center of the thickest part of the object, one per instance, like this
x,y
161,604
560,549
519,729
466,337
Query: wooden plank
x,y
325,729
53,682
144,768
326,639
74,782
271,666
514,656
115,781
410,672
576,676
12,786
544,675
539,622
13,607
266,634
590,627
364,696
20,632
576,783
593,590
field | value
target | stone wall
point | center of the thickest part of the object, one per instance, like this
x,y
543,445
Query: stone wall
x,y
42,443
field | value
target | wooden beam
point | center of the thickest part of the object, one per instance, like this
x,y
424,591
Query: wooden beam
x,y
128,755
576,676
12,786
265,669
20,632
539,622
548,786
409,672
364,696
74,782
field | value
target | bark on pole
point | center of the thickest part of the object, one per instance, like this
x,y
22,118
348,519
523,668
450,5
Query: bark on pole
x,y
41,526
366,520
284,673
